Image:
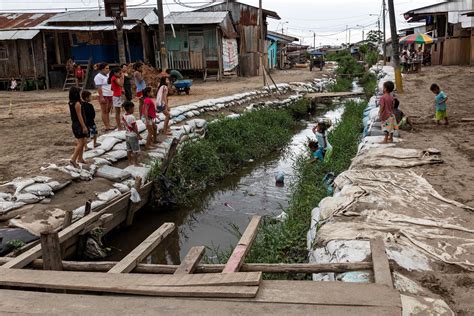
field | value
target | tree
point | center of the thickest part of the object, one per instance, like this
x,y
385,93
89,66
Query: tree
x,y
374,36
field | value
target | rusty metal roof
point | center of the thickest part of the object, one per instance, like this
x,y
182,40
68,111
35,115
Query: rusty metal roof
x,y
11,21
191,17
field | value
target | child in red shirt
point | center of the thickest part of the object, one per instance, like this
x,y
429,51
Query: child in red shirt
x,y
149,117
386,112
116,81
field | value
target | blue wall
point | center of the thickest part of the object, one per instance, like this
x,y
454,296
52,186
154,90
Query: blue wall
x,y
272,55
105,53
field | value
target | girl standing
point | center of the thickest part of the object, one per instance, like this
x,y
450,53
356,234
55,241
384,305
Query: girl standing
x,y
116,82
149,116
127,83
162,104
105,94
140,85
79,128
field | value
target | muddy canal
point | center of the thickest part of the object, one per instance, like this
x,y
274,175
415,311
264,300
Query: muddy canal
x,y
212,220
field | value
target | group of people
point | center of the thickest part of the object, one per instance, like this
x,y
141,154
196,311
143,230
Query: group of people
x,y
391,116
114,88
414,58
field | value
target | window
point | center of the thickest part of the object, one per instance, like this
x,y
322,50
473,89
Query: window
x,y
3,52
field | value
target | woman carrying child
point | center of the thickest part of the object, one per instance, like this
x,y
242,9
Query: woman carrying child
x,y
149,117
386,112
79,128
162,104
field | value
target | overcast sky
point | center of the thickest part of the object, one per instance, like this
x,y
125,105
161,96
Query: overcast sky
x,y
301,18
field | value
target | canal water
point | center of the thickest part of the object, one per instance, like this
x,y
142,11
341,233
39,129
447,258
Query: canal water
x,y
212,220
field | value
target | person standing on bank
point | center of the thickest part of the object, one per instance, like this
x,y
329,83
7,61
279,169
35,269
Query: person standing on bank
x,y
105,94
116,81
140,85
79,128
127,83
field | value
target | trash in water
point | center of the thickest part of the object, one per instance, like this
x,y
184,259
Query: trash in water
x,y
280,177
229,206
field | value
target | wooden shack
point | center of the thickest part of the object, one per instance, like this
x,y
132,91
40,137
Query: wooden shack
x,y
277,44
246,22
22,49
194,40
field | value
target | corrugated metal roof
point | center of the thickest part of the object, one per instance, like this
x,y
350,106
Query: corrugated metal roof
x,y
12,20
185,18
281,37
17,34
133,14
89,28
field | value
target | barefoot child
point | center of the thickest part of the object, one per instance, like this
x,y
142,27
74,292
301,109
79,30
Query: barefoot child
x,y
131,133
79,128
162,104
89,116
320,148
403,121
440,104
386,112
149,116
116,82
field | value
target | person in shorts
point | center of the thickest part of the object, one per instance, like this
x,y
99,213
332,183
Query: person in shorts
x,y
140,84
440,104
386,112
105,94
89,117
116,82
79,128
132,136
403,121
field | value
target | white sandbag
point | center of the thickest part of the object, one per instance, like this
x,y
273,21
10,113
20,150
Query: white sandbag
x,y
109,195
101,161
40,189
134,196
41,179
93,153
116,154
7,206
108,143
141,126
156,155
122,187
56,186
141,172
79,212
20,183
5,196
112,173
120,146
120,135
28,198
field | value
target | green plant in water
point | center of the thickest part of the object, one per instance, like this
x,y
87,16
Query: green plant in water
x,y
341,85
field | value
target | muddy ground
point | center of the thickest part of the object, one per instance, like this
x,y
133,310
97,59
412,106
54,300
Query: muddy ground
x,y
40,130
455,177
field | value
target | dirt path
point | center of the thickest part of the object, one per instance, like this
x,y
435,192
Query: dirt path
x,y
40,131
455,178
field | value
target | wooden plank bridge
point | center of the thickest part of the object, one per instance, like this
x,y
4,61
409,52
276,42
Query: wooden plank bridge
x,y
190,288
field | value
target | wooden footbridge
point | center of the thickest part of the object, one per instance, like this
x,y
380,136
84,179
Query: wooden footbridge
x,y
39,281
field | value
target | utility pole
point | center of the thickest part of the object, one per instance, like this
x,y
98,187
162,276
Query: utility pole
x,y
347,28
262,43
120,42
384,34
314,40
162,35
395,47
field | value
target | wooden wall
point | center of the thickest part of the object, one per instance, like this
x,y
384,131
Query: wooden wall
x,y
472,48
20,59
457,51
9,66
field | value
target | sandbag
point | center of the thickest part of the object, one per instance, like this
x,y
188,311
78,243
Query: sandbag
x,y
109,195
28,198
40,189
112,173
7,206
101,161
141,172
122,187
116,154
56,186
108,143
93,153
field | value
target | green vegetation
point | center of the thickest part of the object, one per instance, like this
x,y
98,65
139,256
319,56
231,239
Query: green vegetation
x,y
229,143
342,84
285,242
369,83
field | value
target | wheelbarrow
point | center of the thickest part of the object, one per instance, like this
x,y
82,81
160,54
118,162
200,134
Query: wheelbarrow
x,y
183,86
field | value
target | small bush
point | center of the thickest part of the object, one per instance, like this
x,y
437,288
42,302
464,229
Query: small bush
x,y
348,66
342,84
369,83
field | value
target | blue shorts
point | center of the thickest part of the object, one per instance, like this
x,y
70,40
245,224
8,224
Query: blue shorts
x,y
92,130
320,153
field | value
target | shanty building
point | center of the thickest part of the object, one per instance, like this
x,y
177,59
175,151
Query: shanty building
x,y
203,42
277,44
23,49
452,27
246,21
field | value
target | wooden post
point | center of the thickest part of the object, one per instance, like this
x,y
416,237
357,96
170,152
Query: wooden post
x,y
381,268
51,251
127,46
88,208
67,218
129,263
262,43
162,37
34,63
190,262
45,57
219,54
145,44
243,247
56,48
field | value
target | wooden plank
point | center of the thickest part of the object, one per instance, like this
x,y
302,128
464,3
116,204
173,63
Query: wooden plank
x,y
467,119
213,285
332,95
67,218
74,304
382,272
243,247
51,251
34,253
189,263
129,263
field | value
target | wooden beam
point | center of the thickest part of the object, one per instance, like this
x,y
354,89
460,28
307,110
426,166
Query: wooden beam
x,y
129,263
243,247
34,62
56,48
67,218
45,58
51,251
34,253
192,285
189,263
382,272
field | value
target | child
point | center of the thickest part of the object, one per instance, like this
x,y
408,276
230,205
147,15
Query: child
x,y
79,128
320,148
149,116
89,116
13,84
116,82
440,104
386,112
132,135
140,84
162,104
127,83
403,121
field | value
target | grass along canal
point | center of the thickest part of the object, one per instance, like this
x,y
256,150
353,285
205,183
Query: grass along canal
x,y
224,204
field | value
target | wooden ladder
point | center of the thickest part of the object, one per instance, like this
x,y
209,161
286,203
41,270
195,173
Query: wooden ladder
x,y
71,80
